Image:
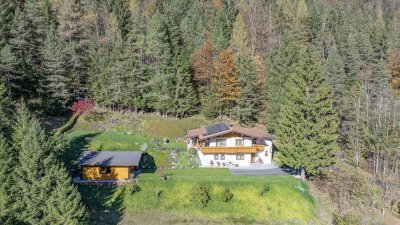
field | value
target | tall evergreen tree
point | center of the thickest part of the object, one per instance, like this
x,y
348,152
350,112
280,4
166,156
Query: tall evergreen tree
x,y
54,82
307,133
6,169
10,72
249,101
6,16
281,67
159,57
335,72
39,180
5,104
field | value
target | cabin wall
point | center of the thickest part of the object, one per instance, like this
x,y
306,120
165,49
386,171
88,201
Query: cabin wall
x,y
93,173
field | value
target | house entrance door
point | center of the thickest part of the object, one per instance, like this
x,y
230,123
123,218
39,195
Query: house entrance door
x,y
253,157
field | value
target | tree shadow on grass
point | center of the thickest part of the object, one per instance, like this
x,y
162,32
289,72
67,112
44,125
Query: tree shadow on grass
x,y
104,203
76,146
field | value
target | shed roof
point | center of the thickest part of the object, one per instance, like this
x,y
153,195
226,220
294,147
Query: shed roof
x,y
203,133
109,158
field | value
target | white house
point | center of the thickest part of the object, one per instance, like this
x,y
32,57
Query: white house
x,y
228,145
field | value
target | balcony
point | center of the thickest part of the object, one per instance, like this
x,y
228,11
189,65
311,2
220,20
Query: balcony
x,y
236,149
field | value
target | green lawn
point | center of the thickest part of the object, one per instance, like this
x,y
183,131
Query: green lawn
x,y
288,200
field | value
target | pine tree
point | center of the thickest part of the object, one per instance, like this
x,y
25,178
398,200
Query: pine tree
x,y
40,182
282,65
5,104
6,170
63,205
307,133
32,181
54,82
239,41
6,16
159,55
13,78
335,72
226,80
185,99
249,101
300,29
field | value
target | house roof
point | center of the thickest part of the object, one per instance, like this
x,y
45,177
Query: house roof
x,y
223,128
109,158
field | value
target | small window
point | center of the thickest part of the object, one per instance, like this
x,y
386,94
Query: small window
x,y
221,142
266,153
239,142
105,170
222,157
240,157
216,157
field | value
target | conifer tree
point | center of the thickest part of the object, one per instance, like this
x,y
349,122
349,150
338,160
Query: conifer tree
x,y
226,80
6,15
281,67
63,205
5,104
6,169
335,73
159,54
249,101
9,70
54,82
185,99
307,133
39,180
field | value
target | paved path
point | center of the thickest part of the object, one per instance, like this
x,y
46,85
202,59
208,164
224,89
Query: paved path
x,y
261,170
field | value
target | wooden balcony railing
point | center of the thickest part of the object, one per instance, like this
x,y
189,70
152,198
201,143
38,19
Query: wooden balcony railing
x,y
237,149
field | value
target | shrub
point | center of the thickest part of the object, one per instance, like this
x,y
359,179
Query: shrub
x,y
203,196
192,151
71,122
84,106
158,192
227,195
264,189
133,187
346,219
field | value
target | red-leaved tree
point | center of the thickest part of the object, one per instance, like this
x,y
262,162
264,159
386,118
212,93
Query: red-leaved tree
x,y
84,106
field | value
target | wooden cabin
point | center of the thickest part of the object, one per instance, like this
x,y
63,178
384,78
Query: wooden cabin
x,y
108,165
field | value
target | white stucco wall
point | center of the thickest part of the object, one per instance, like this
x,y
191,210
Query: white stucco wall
x,y
205,159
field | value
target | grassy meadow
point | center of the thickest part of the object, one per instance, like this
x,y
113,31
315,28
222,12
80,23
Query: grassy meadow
x,y
288,200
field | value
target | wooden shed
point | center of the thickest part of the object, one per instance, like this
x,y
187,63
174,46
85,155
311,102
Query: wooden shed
x,y
108,165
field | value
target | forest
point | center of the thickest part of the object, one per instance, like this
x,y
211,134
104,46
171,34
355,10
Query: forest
x,y
323,76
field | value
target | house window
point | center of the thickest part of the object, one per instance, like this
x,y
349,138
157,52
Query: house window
x,y
239,142
266,153
221,142
239,157
105,170
222,157
216,157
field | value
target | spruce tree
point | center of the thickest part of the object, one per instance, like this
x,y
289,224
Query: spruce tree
x,y
39,180
6,15
249,101
63,205
307,133
282,65
5,104
6,170
334,67
159,57
54,91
